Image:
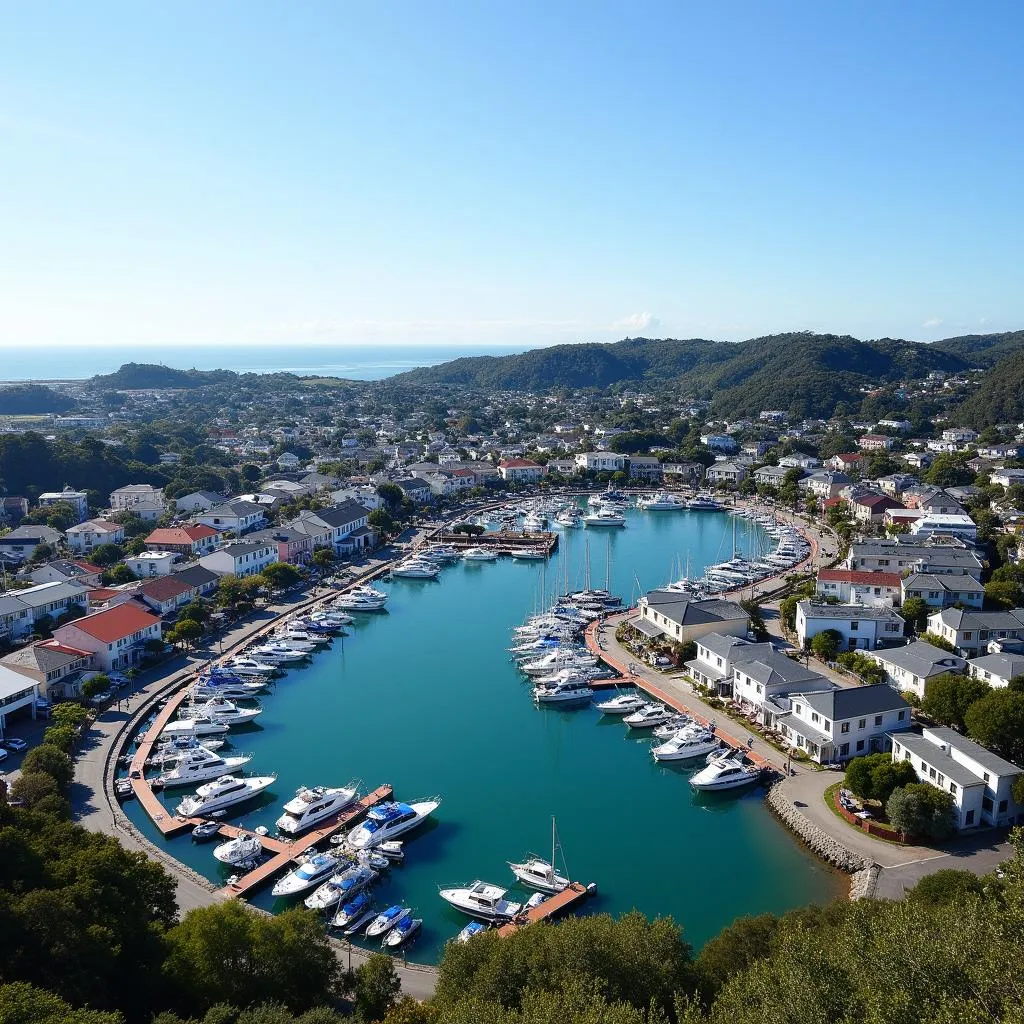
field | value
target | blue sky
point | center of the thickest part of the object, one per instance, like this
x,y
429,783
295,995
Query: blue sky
x,y
508,173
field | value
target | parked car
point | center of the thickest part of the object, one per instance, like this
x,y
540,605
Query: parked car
x,y
100,698
15,743
3,754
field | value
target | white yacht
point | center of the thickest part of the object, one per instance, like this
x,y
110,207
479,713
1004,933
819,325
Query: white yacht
x,y
482,900
569,520
341,887
199,726
206,688
277,653
363,598
534,523
313,870
224,792
386,920
703,503
649,716
623,704
673,727
354,913
529,554
417,569
251,668
557,660
725,773
199,765
171,749
686,744
222,710
311,805
479,554
244,849
385,821
605,516
405,929
332,619
569,689
442,553
660,502
295,640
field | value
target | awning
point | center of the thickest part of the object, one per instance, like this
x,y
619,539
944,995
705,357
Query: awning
x,y
641,625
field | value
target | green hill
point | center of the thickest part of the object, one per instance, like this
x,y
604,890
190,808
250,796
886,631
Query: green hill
x,y
26,399
982,350
144,376
999,396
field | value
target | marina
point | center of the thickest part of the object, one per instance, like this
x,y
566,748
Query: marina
x,y
415,695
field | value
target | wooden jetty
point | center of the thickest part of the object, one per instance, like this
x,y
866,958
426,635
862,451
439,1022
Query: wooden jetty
x,y
500,540
572,894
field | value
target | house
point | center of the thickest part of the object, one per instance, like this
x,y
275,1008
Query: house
x,y
997,669
799,461
13,508
860,626
165,594
240,558
20,544
961,435
415,489
720,443
770,476
17,693
854,586
61,570
199,501
78,500
971,632
726,472
911,667
293,546
999,451
55,668
845,463
895,483
901,425
717,654
871,508
20,610
116,637
918,460
288,462
204,581
825,485
766,680
343,528
364,494
600,462
932,500
962,526
980,782
564,467
876,443
131,497
236,517
183,540
901,554
152,563
834,725
1007,477
673,614
92,533
943,591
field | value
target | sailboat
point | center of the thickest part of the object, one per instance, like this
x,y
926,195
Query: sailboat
x,y
540,874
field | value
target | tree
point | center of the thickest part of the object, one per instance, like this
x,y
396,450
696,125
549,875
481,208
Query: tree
x,y
1003,594
41,791
249,473
324,558
946,887
1018,790
229,590
996,721
376,987
757,626
921,810
186,633
21,1003
60,736
745,941
938,641
876,776
69,714
825,644
787,611
95,684
197,610
49,761
915,613
392,494
948,697
380,519
61,515
106,554
117,574
229,953
280,575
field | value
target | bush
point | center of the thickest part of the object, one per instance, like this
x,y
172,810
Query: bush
x,y
921,810
825,644
948,886
915,613
95,684
69,714
876,776
938,641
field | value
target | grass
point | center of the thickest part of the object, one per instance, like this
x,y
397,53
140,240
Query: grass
x,y
829,797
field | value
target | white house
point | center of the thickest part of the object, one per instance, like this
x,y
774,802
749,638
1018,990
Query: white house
x,y
600,462
92,533
943,590
860,626
152,563
116,637
855,586
980,782
997,669
78,500
913,666
727,472
20,610
899,555
720,443
962,526
971,632
199,501
679,617
344,528
234,516
288,462
520,471
17,693
128,498
241,558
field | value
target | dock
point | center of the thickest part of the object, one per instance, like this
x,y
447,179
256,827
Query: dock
x,y
500,540
573,893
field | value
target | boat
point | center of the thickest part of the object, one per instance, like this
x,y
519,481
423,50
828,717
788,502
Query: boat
x,y
205,831
388,820
386,920
301,644
686,745
363,598
123,788
222,710
351,910
725,773
243,850
393,850
648,716
332,618
569,520
171,749
660,502
311,805
277,653
479,554
605,517
442,553
557,660
340,887
673,726
416,569
361,922
251,668
205,689
200,726
529,554
702,503
623,704
403,932
224,792
482,900
570,688
198,765
471,929
538,873
313,870
534,523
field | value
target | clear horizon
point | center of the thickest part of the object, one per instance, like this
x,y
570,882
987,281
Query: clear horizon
x,y
423,173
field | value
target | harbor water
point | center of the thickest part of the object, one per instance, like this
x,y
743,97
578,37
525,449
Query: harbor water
x,y
424,697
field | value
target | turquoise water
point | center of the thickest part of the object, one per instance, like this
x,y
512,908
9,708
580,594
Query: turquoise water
x,y
424,697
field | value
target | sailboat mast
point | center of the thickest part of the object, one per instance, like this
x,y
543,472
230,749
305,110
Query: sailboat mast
x,y
608,566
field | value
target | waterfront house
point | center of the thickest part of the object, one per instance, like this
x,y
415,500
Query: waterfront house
x,y
416,490
55,668
241,558
83,537
78,500
859,626
726,472
911,667
293,546
600,462
901,554
671,613
204,581
980,782
344,528
183,540
997,669
165,594
855,586
943,590
116,637
970,632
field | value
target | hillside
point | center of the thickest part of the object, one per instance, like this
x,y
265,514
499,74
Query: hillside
x,y
26,399
143,376
805,374
999,396
983,350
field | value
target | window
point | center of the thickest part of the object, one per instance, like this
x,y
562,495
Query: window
x,y
952,789
814,717
901,716
845,727
986,804
862,723
941,780
855,624
1002,806
969,820
860,745
931,773
985,776
844,750
878,719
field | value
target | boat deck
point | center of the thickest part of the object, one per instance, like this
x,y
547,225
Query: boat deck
x,y
553,905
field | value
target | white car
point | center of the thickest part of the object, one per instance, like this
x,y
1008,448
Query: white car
x,y
3,754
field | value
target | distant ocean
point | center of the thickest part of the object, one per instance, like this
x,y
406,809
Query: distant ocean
x,y
356,362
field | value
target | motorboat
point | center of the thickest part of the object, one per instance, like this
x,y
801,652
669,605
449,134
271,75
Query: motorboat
x,y
403,932
648,716
204,689
332,618
373,859
569,689
479,554
482,900
224,792
702,503
172,748
686,745
205,831
341,887
569,520
442,553
623,704
320,629
538,873
361,922
278,653
222,710
388,820
534,523
251,668
243,850
311,805
529,554
198,764
605,517
673,726
472,929
296,641
352,910
557,660
660,502
386,920
725,773
363,598
198,726
394,850
416,569
313,870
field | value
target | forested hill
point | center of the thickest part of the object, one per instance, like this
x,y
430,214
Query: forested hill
x,y
801,372
145,376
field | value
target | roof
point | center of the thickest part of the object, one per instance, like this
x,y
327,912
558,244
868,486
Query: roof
x,y
12,683
181,535
726,646
861,577
114,623
931,581
196,575
45,656
518,464
164,588
975,751
963,618
814,610
854,701
877,501
687,612
1002,665
934,755
45,593
921,658
95,526
23,534
244,547
772,667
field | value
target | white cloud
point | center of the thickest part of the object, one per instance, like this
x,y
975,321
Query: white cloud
x,y
637,322
933,322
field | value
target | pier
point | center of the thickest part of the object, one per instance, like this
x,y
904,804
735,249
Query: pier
x,y
500,540
573,893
